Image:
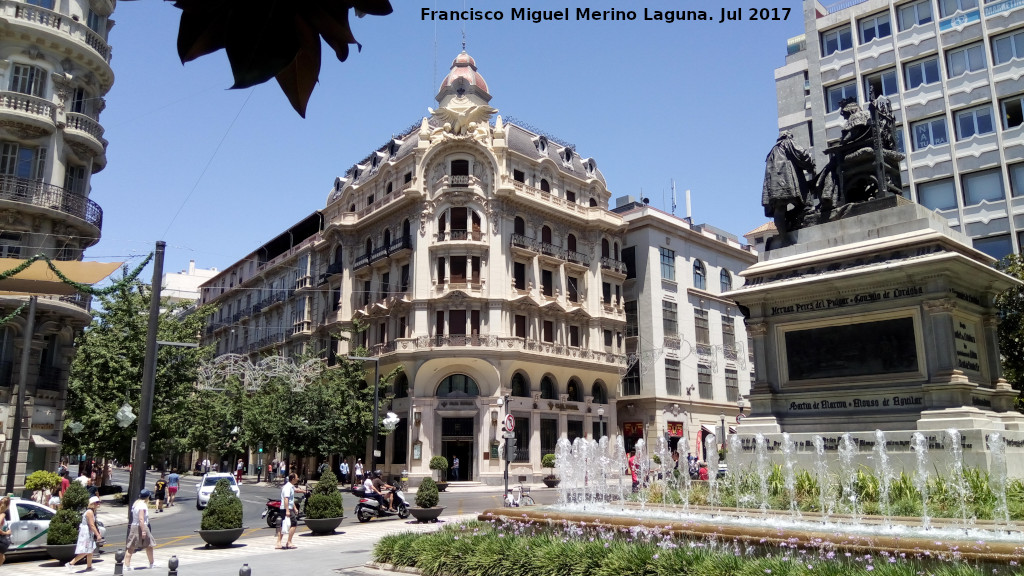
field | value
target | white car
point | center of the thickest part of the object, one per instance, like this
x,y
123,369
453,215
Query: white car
x,y
209,481
29,523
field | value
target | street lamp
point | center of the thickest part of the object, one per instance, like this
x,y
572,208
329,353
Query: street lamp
x,y
376,401
600,420
504,401
724,432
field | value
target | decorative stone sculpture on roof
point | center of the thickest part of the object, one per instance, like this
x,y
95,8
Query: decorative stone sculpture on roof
x,y
463,121
863,166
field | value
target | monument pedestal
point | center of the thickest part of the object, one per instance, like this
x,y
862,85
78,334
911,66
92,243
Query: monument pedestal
x,y
882,320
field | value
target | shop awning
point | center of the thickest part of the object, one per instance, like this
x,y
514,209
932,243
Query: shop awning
x,y
708,429
40,441
38,278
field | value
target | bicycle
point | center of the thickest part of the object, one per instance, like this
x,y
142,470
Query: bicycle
x,y
518,496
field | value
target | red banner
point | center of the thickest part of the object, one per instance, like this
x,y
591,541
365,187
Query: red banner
x,y
633,429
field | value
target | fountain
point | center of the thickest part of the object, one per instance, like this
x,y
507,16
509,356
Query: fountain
x,y
664,502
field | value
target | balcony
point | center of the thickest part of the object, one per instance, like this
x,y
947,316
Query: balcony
x,y
394,248
547,197
49,196
302,328
85,130
58,23
616,266
303,282
333,269
498,344
578,258
36,113
460,236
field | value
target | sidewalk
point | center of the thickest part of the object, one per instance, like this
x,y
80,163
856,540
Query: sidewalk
x,y
345,552
113,513
462,487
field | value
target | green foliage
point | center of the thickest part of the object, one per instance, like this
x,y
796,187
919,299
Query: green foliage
x,y
439,463
76,497
64,527
224,510
325,501
107,369
1011,325
42,480
549,461
426,495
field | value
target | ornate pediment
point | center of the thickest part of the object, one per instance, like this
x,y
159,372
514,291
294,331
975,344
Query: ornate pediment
x,y
462,119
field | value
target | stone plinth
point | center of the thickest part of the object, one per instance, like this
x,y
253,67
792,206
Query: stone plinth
x,y
882,320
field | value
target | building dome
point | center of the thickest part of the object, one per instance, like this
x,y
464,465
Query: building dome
x,y
463,78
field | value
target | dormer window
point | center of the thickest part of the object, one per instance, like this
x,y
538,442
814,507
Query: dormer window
x,y
567,154
393,148
542,144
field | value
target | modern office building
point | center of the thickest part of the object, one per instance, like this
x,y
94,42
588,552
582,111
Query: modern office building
x,y
482,258
952,70
694,364
54,73
184,285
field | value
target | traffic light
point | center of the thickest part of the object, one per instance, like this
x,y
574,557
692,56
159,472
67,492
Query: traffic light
x,y
510,449
260,447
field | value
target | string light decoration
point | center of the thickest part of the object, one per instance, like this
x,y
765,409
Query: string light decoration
x,y
78,286
211,374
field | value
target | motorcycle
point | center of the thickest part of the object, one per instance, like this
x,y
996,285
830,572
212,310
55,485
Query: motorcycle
x,y
272,513
369,507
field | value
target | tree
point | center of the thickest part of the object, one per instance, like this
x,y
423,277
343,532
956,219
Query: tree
x,y
267,39
1011,326
107,372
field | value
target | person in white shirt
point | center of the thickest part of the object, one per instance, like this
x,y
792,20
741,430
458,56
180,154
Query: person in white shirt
x,y
289,512
138,533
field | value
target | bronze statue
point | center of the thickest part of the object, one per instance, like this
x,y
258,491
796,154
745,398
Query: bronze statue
x,y
785,194
863,165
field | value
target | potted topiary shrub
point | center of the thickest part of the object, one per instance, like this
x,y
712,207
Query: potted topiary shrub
x,y
440,463
325,508
426,500
222,517
63,532
548,461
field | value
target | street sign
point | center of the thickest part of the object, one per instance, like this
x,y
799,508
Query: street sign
x,y
739,418
510,422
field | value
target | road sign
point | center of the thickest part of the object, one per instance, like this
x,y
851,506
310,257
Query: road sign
x,y
510,422
739,418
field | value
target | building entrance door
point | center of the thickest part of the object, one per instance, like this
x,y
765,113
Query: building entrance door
x,y
457,441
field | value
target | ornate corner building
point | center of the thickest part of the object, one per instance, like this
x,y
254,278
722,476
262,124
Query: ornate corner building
x,y
482,258
54,73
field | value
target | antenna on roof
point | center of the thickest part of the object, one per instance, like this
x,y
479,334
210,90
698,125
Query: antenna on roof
x,y
673,196
463,37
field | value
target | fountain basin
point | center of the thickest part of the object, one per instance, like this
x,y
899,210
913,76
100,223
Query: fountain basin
x,y
1002,546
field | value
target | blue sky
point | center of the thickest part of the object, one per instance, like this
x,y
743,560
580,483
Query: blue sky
x,y
216,172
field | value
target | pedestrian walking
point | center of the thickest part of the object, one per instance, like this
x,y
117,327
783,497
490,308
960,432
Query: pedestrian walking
x,y
343,468
160,492
455,468
88,536
139,535
239,469
206,466
359,470
289,512
5,529
173,479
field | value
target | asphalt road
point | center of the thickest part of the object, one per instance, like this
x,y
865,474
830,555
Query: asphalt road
x,y
178,525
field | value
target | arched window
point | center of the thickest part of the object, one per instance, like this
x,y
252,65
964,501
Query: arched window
x,y
369,246
387,238
338,253
547,388
520,226
700,275
388,189
352,208
519,385
570,243
616,247
726,279
593,202
402,386
574,391
406,229
545,234
604,248
599,393
457,386
544,185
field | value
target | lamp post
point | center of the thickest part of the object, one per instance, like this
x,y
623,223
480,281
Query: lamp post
x,y
724,431
376,402
600,420
504,401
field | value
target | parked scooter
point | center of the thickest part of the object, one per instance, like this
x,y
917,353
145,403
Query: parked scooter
x,y
273,513
368,506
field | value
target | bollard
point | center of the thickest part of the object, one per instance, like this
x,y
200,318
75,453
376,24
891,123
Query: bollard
x,y
172,566
119,562
245,570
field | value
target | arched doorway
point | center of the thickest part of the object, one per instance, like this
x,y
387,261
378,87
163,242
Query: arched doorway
x,y
458,432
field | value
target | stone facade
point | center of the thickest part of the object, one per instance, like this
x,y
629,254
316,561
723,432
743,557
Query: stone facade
x,y
54,72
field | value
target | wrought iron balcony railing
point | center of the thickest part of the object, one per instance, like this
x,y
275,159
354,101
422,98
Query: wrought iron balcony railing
x,y
49,196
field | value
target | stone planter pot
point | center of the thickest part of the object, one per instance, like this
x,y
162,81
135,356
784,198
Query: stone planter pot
x,y
442,486
551,482
323,525
62,553
220,538
426,514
